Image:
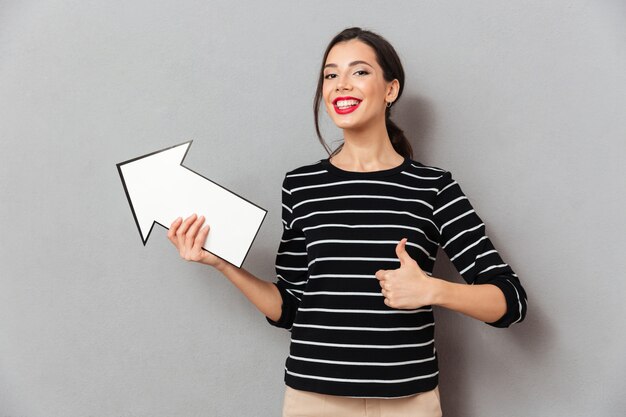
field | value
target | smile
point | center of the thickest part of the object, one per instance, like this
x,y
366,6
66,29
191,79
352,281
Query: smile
x,y
346,106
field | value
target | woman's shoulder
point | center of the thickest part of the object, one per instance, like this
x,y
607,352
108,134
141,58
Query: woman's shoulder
x,y
304,169
426,170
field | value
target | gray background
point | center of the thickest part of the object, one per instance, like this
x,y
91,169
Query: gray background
x,y
523,101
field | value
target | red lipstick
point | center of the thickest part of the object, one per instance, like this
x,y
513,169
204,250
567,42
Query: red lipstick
x,y
347,109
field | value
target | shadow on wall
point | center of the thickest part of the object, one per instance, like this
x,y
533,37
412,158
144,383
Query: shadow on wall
x,y
533,340
414,115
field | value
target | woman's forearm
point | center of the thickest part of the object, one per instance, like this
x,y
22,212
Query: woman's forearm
x,y
483,302
264,295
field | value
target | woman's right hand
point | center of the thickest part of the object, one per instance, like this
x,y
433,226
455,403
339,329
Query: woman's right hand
x,y
188,237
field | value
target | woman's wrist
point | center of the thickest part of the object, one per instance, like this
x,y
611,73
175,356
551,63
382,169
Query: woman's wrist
x,y
222,266
439,287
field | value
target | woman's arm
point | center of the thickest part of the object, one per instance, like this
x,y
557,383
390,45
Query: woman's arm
x,y
463,236
409,287
264,295
484,302
189,236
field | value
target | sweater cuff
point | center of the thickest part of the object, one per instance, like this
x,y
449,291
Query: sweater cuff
x,y
287,314
513,312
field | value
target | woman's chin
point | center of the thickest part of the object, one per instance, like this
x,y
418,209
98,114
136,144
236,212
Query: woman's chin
x,y
351,125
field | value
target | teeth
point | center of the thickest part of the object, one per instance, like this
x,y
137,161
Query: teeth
x,y
342,104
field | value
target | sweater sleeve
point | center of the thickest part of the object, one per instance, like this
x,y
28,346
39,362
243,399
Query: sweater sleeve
x,y
291,264
462,236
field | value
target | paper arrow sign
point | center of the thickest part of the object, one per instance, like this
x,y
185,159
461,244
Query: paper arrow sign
x,y
160,189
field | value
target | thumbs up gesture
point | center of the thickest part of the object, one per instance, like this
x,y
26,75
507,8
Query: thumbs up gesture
x,y
407,287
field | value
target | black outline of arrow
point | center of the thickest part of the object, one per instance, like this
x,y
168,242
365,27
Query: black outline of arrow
x,y
132,208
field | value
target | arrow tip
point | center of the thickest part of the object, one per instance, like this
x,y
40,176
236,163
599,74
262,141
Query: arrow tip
x,y
139,177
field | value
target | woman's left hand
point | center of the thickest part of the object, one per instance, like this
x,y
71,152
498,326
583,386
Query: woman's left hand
x,y
407,287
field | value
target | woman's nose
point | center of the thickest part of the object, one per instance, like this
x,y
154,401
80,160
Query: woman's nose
x,y
342,83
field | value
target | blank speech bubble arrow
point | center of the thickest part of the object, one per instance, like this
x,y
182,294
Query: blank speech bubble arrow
x,y
160,188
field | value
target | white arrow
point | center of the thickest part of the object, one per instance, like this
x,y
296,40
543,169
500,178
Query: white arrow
x,y
160,189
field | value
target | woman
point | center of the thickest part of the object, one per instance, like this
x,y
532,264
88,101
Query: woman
x,y
354,265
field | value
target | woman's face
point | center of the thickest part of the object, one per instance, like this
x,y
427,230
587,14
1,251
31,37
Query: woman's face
x,y
352,75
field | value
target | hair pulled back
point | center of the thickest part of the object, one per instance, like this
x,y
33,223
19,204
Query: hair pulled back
x,y
390,63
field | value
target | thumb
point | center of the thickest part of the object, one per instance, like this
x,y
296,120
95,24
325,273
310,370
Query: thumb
x,y
403,255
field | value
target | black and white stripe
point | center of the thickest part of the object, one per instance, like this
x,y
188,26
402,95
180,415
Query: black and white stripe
x,y
339,228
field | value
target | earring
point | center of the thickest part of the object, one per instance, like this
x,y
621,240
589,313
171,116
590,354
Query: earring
x,y
389,103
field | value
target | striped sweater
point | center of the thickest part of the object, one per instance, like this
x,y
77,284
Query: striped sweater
x,y
339,228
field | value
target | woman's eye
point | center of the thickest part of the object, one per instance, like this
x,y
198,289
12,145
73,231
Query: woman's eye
x,y
359,72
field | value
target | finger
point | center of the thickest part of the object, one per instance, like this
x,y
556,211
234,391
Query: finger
x,y
380,274
191,233
171,234
200,239
185,226
182,230
401,252
176,222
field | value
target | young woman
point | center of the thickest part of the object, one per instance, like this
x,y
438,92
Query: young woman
x,y
354,265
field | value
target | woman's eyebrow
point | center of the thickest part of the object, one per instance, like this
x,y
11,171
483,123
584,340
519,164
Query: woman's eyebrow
x,y
351,64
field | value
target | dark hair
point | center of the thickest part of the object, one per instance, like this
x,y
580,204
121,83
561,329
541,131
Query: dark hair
x,y
390,63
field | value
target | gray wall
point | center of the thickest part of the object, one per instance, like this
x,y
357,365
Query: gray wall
x,y
523,101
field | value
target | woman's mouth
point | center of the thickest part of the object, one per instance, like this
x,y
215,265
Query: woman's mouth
x,y
346,106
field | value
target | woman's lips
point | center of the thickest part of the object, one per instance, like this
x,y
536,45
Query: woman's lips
x,y
347,110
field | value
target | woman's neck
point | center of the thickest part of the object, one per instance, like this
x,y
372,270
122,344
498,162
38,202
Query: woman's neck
x,y
367,151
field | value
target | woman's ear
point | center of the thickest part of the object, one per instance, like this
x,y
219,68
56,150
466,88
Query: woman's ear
x,y
392,90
